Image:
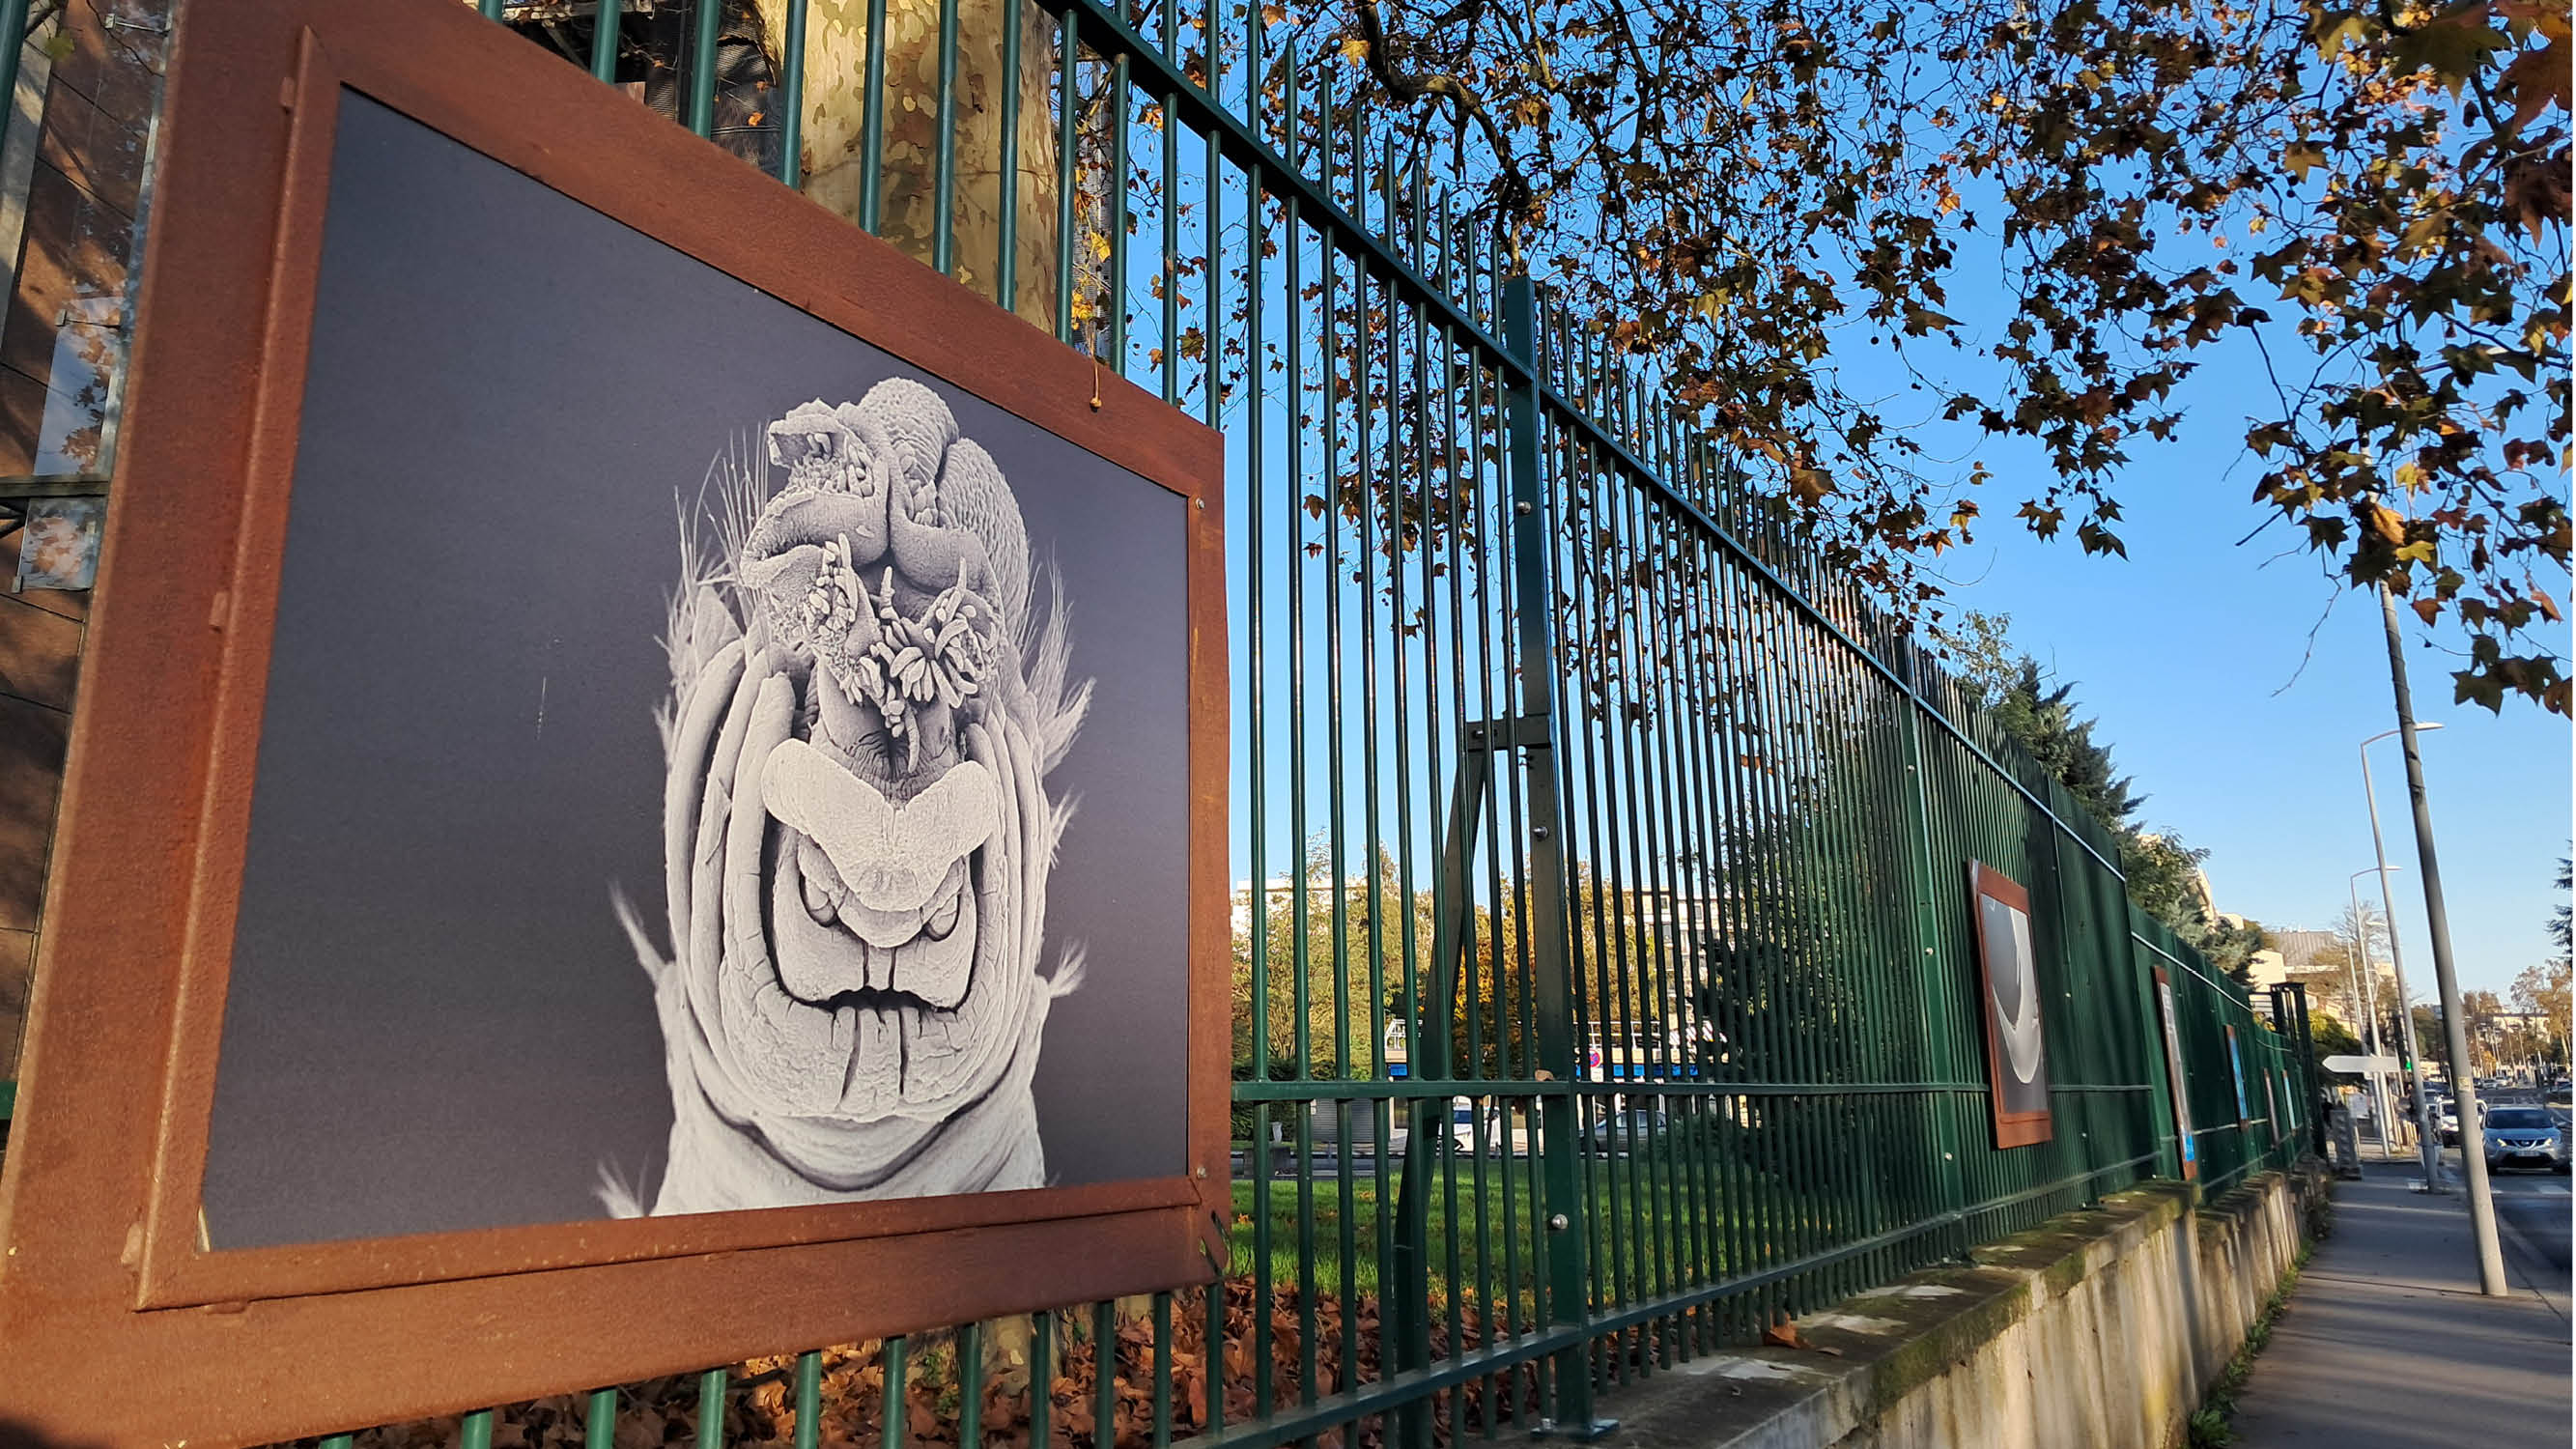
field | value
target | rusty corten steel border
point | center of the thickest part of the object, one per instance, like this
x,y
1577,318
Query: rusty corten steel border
x,y
115,1327
2012,1129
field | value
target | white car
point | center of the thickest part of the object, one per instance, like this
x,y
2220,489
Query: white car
x,y
1462,1128
1503,1133
2446,1119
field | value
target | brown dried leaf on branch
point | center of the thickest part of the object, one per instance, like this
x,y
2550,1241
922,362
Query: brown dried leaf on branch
x,y
2114,189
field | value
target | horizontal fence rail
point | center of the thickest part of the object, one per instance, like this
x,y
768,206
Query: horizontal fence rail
x,y
1603,950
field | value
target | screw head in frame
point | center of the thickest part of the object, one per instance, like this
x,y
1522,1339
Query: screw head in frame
x,y
1556,1223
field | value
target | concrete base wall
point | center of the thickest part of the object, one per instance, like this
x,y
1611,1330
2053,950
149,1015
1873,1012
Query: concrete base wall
x,y
2098,1330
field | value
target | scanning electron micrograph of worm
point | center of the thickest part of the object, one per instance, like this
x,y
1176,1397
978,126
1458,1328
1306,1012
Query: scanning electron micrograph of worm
x,y
865,705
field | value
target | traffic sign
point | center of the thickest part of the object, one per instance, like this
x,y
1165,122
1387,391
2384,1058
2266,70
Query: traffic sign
x,y
2359,1064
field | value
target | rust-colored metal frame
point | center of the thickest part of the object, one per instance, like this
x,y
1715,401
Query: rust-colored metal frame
x,y
2012,1129
116,1326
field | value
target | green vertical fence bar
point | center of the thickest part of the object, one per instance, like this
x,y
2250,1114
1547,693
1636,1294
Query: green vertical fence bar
x,y
943,222
791,93
1162,1324
809,1398
1104,1391
711,1409
604,35
872,105
970,1383
894,1405
1068,101
702,64
13,45
1006,265
1042,1378
1116,221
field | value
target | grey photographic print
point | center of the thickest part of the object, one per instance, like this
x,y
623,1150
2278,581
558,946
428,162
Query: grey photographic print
x,y
857,832
813,734
2012,989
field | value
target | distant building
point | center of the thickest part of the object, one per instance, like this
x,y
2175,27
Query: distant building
x,y
2292,957
2299,950
2493,1025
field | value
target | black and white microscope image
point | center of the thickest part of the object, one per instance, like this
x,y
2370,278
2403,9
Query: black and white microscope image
x,y
868,691
2012,996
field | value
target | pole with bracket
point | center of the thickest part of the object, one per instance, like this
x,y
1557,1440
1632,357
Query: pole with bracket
x,y
2437,920
1534,614
1434,1017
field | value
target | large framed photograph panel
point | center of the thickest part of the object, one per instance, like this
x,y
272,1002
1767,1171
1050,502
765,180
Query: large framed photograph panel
x,y
2009,1008
651,785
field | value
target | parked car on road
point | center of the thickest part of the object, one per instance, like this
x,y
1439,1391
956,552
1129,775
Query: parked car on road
x,y
2446,1119
1637,1129
1462,1127
2524,1137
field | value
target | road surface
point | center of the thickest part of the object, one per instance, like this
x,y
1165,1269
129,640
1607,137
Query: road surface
x,y
2534,1206
2533,1210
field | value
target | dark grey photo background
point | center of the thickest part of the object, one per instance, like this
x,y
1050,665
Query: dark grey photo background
x,y
2016,981
434,1021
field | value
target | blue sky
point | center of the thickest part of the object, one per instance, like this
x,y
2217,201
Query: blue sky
x,y
2241,729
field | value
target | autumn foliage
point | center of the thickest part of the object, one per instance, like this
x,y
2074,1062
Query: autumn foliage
x,y
1861,243
760,1409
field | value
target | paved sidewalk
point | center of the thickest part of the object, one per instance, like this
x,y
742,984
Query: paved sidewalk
x,y
2387,1343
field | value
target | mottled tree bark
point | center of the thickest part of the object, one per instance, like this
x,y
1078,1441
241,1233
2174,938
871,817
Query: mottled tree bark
x,y
833,143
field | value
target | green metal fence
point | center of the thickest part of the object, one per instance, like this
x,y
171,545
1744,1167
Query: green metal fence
x,y
1604,959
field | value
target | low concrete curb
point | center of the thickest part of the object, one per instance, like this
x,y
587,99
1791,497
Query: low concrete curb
x,y
2099,1328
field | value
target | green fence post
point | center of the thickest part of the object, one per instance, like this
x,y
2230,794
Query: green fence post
x,y
13,41
2310,1118
1934,1000
1534,608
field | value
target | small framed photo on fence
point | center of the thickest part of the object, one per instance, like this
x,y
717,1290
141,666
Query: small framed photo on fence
x,y
2186,1142
2009,1002
573,819
2236,1074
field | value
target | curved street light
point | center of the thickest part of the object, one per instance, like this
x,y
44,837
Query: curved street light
x,y
2366,978
2427,1141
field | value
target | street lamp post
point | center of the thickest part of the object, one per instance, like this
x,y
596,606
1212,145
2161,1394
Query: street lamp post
x,y
2428,1142
2437,923
2366,981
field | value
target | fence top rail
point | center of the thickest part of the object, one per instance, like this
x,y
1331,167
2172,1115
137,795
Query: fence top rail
x,y
2224,987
